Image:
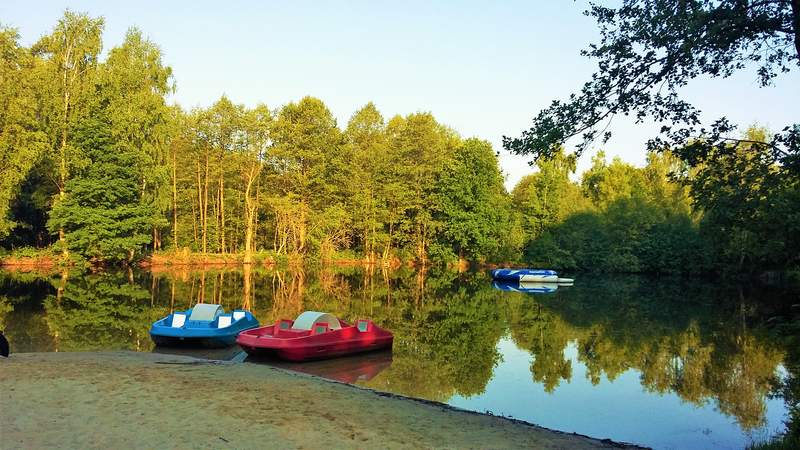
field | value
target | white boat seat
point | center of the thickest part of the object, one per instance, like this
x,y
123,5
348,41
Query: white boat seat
x,y
205,312
178,320
224,321
306,321
237,315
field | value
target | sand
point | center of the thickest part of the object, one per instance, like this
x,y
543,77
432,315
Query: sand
x,y
146,400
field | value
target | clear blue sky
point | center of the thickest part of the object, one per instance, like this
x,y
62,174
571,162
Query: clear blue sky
x,y
483,68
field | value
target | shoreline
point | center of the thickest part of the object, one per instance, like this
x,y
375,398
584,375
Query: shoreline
x,y
157,400
163,260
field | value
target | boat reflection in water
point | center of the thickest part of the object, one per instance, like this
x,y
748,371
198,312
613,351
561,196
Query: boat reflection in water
x,y
349,369
527,287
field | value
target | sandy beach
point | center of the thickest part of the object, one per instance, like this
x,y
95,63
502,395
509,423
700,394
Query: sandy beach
x,y
147,400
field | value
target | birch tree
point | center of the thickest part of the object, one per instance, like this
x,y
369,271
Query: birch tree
x,y
70,56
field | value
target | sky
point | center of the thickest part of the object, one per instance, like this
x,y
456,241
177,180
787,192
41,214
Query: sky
x,y
482,68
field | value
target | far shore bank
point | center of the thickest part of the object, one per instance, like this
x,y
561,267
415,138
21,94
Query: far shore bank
x,y
186,259
148,400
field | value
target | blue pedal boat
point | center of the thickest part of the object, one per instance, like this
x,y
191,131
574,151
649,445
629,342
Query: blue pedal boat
x,y
204,325
529,275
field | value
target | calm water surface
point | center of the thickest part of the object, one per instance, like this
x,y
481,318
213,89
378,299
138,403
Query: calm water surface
x,y
666,363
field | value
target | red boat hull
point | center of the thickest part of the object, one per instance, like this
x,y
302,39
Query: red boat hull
x,y
295,345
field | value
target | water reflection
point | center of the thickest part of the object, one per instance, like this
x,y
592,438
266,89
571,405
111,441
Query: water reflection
x,y
355,369
526,287
691,340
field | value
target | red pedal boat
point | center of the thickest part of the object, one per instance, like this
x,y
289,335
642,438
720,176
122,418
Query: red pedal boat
x,y
314,335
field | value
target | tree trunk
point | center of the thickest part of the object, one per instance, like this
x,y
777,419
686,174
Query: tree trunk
x,y
68,80
255,219
200,207
194,224
205,208
248,229
156,239
62,172
222,210
301,229
174,203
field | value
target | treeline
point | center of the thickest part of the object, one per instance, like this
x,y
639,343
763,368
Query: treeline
x,y
619,218
292,182
96,163
736,210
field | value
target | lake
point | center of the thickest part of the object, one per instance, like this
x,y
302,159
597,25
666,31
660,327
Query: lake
x,y
662,362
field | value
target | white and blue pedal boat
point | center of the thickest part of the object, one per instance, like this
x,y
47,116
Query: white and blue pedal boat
x,y
204,325
529,276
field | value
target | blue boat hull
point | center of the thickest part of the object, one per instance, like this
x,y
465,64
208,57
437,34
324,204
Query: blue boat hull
x,y
201,333
204,342
531,275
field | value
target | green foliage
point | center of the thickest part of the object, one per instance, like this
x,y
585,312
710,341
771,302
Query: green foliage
x,y
750,206
605,183
102,215
65,73
472,204
419,148
227,178
634,220
237,180
311,164
370,189
21,140
547,197
132,86
745,187
310,152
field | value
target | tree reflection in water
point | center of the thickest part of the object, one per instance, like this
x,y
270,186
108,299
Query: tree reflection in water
x,y
699,341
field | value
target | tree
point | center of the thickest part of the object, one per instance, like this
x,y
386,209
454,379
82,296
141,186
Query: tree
x,y
664,182
632,219
312,166
230,179
366,133
256,127
70,57
420,148
179,143
217,136
605,183
103,217
472,204
749,205
547,197
132,86
648,50
21,140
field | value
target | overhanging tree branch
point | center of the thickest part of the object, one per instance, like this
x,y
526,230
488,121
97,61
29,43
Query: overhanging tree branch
x,y
649,49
